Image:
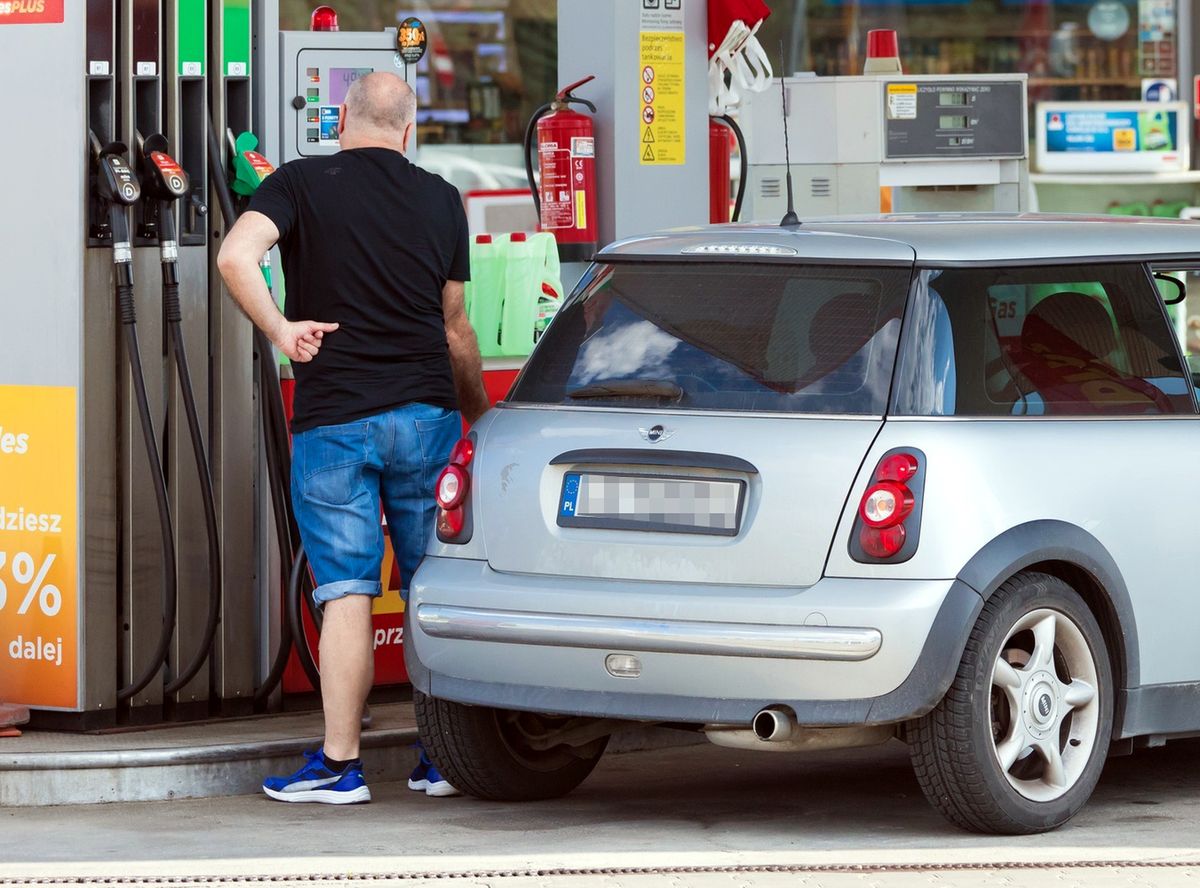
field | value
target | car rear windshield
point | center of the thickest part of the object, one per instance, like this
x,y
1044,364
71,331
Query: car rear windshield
x,y
1046,341
723,336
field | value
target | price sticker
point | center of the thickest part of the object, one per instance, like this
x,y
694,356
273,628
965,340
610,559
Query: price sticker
x,y
411,40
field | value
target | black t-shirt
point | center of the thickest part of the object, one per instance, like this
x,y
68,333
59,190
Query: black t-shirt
x,y
368,240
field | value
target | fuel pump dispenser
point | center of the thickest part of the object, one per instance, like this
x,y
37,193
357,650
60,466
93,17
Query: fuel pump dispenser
x,y
164,182
139,90
117,190
234,433
185,78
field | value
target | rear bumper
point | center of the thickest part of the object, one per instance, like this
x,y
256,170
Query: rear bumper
x,y
648,636
841,652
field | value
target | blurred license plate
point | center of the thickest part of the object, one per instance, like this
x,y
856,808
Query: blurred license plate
x,y
651,503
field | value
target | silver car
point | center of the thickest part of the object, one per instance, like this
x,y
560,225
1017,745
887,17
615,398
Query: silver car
x,y
912,477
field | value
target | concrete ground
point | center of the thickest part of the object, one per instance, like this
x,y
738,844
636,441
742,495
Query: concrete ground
x,y
693,816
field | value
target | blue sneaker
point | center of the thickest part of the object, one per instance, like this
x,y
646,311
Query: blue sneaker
x,y
316,783
427,779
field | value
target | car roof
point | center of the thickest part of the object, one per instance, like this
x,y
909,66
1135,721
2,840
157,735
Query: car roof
x,y
934,238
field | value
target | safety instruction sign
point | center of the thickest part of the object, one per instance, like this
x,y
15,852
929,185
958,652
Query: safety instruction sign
x,y
39,603
902,101
31,12
661,84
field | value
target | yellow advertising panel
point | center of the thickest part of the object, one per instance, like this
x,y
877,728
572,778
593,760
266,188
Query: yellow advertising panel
x,y
39,601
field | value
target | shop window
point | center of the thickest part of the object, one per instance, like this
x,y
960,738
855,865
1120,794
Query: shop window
x,y
490,64
1083,51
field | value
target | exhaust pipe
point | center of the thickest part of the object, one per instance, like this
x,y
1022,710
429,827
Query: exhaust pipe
x,y
771,725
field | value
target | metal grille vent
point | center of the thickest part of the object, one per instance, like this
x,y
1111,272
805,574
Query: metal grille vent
x,y
821,187
771,187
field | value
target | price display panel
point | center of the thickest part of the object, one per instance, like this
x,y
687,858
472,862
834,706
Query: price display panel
x,y
943,118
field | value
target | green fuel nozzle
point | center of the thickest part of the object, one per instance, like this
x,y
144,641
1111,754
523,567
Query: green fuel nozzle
x,y
249,167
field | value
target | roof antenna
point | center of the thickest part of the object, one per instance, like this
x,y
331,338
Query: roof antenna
x,y
790,219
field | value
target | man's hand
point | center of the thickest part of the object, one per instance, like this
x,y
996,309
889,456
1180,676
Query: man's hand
x,y
465,361
300,340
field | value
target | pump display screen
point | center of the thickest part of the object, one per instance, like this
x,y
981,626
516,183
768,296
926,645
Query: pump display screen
x,y
943,117
319,68
340,80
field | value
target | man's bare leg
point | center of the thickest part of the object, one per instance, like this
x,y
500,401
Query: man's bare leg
x,y
347,670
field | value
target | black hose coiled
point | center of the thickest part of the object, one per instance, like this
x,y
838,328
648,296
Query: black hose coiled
x,y
215,569
128,325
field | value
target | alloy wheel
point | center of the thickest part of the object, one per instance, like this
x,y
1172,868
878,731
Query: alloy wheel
x,y
1044,705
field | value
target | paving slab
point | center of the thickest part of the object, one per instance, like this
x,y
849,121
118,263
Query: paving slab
x,y
682,816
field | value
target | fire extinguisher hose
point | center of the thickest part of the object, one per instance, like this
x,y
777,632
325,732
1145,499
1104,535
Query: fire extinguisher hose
x,y
530,134
745,165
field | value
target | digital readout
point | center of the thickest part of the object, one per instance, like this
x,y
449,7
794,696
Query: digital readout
x,y
954,98
340,80
953,121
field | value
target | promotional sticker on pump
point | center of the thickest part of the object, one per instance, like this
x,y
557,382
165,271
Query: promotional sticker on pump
x,y
31,12
39,608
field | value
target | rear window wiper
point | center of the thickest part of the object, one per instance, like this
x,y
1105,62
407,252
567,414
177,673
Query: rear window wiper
x,y
628,388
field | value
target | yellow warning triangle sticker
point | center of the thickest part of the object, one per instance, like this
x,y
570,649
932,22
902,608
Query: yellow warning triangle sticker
x,y
648,137
648,154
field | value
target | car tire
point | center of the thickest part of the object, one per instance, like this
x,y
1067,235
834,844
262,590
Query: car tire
x,y
1035,678
485,752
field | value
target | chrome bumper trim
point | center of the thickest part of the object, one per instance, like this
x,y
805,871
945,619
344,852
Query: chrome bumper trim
x,y
658,636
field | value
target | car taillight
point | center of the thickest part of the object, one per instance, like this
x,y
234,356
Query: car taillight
x,y
453,486
889,513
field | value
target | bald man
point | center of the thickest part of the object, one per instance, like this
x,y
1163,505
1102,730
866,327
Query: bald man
x,y
375,253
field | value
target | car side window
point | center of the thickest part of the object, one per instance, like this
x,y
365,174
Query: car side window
x,y
1183,310
1046,341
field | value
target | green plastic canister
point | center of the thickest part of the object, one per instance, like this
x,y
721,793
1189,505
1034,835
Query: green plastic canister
x,y
485,293
522,284
550,298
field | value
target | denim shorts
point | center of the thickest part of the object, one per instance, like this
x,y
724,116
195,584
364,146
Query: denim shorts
x,y
343,475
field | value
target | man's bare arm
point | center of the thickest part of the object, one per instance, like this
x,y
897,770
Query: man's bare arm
x,y
464,353
244,246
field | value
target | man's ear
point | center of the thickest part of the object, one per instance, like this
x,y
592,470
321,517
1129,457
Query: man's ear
x,y
341,119
406,139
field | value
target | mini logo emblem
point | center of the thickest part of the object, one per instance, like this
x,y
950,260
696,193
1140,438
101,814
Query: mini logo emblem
x,y
654,434
1044,705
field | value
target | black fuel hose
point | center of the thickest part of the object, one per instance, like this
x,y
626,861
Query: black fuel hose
x,y
741,140
283,533
297,591
174,316
278,469
125,310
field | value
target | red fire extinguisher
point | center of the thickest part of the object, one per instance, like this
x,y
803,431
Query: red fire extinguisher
x,y
566,197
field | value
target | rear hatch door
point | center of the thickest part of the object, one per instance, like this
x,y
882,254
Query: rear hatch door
x,y
692,421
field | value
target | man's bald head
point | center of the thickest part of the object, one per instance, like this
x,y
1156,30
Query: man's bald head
x,y
379,106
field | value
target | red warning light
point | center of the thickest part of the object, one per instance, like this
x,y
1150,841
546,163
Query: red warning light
x,y
324,18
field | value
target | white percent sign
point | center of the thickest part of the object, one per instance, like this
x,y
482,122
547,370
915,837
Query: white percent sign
x,y
48,596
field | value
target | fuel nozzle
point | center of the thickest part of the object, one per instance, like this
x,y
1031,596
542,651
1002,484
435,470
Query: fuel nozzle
x,y
162,177
163,181
249,167
118,188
